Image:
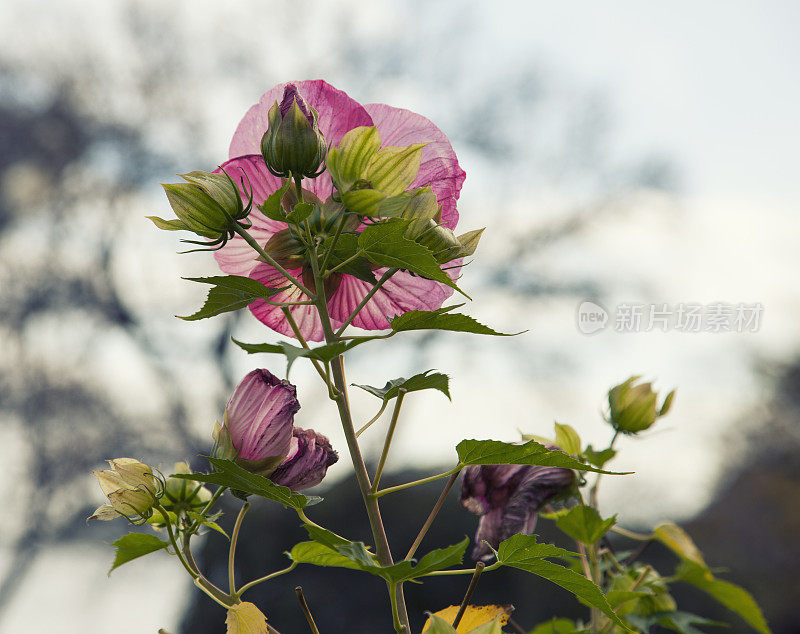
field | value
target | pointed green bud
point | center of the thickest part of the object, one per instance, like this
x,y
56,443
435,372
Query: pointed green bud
x,y
293,144
632,406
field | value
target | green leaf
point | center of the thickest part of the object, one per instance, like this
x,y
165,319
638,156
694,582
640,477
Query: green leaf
x,y
229,292
598,458
169,225
568,439
321,353
472,452
135,545
728,594
318,554
300,212
438,559
522,552
679,542
681,622
384,244
555,626
442,319
423,381
493,627
207,521
272,207
438,625
346,257
393,169
585,524
231,475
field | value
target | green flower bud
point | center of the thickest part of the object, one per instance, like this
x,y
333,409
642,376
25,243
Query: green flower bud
x,y
131,489
293,144
180,494
633,408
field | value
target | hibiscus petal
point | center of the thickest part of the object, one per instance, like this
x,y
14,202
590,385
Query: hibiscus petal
x,y
306,317
237,257
403,292
338,114
439,167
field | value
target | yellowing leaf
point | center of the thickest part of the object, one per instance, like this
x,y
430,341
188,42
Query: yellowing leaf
x,y
678,540
246,618
475,616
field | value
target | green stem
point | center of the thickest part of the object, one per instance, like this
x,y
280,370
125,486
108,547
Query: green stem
x,y
382,550
398,626
306,610
428,522
384,278
217,494
271,261
272,575
232,552
296,330
373,419
593,490
408,485
470,591
467,571
641,537
401,393
332,246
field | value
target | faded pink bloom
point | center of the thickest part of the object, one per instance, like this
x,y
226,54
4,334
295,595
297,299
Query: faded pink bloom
x,y
338,114
259,416
309,458
507,498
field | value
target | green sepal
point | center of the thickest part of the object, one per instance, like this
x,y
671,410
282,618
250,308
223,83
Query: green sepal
x,y
348,163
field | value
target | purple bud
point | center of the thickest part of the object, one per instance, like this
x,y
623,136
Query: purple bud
x,y
507,498
259,416
290,95
309,458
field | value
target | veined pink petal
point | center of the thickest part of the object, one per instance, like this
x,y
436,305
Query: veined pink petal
x,y
306,317
338,114
260,414
439,167
237,257
403,292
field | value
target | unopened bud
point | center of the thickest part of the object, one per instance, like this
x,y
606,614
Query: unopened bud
x,y
633,407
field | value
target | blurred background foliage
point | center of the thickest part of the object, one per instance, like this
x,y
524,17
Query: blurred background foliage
x,y
99,102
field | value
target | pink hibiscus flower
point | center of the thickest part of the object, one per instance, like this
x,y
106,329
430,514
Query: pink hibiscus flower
x,y
338,114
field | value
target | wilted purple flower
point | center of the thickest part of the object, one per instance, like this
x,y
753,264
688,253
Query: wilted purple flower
x,y
309,458
507,498
258,421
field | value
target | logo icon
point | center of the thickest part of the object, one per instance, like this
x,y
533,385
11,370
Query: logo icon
x,y
591,317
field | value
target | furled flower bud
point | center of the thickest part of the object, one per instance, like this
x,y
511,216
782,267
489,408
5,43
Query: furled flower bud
x,y
307,463
207,204
181,494
257,430
131,489
507,498
293,144
633,408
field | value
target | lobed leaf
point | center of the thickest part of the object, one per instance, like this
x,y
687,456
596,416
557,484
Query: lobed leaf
x,y
584,524
442,319
477,452
135,545
418,382
229,292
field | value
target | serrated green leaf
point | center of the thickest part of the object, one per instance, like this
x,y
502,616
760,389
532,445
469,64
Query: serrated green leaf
x,y
442,319
476,452
347,258
384,244
272,207
728,594
522,552
231,475
418,382
318,554
568,439
229,292
300,212
598,458
584,524
135,545
324,353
